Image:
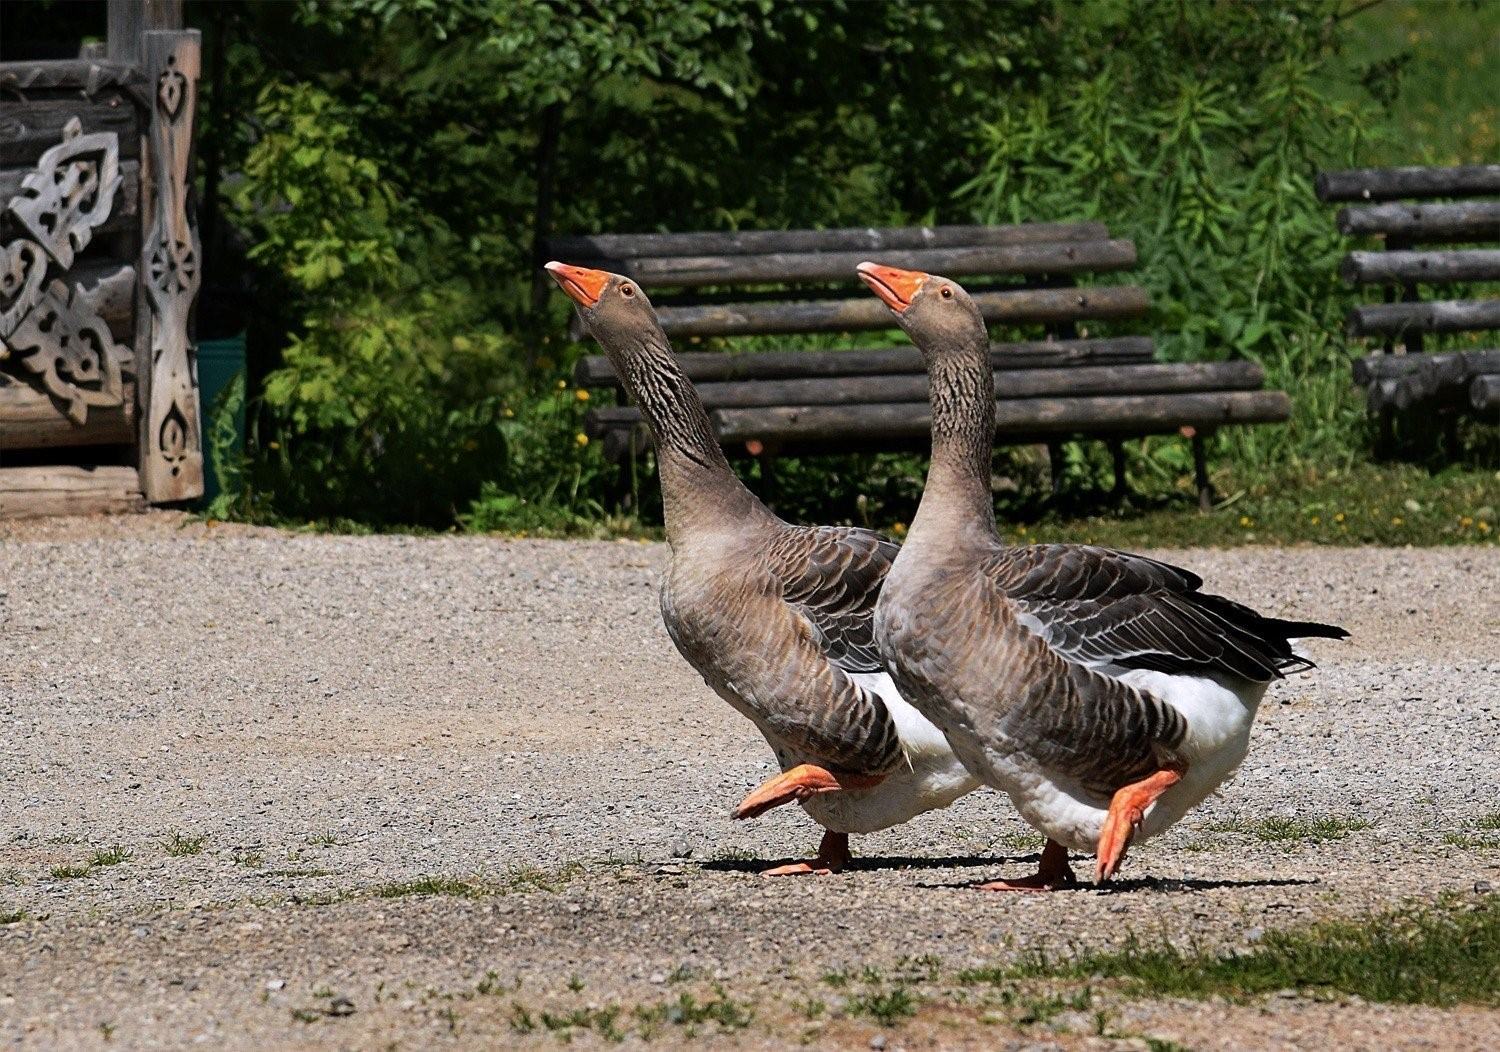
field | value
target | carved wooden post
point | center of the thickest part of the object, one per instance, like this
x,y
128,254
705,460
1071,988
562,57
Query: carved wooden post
x,y
171,449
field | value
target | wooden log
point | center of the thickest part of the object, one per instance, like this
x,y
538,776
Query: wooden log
x,y
32,419
1051,416
1455,365
845,239
64,490
707,366
867,312
29,129
87,75
1397,319
1466,221
1391,184
1407,268
1048,258
1022,383
1484,392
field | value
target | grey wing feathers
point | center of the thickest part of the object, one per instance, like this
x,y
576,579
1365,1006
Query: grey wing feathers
x,y
1099,607
832,576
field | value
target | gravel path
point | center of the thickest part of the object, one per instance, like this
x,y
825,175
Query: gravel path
x,y
284,732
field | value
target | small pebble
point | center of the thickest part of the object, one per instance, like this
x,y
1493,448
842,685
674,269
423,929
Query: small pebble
x,y
1482,887
341,1006
878,1042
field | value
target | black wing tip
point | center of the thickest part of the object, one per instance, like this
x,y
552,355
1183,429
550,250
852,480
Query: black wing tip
x,y
1312,630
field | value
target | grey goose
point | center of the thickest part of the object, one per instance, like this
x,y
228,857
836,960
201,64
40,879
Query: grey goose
x,y
1104,692
777,618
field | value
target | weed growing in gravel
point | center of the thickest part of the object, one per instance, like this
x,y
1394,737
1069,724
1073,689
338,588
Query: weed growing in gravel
x,y
180,846
886,1007
1439,955
323,840
71,871
687,1011
8,917
248,859
1280,829
533,878
452,886
1489,821
110,856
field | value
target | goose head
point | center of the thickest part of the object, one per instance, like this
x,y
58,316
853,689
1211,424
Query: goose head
x,y
614,307
933,310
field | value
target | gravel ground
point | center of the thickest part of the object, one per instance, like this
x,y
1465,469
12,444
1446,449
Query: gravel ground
x,y
284,731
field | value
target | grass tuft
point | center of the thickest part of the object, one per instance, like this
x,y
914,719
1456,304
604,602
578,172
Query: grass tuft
x,y
181,846
886,1007
1281,829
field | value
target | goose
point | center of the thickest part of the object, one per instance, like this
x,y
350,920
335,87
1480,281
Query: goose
x,y
1104,692
776,618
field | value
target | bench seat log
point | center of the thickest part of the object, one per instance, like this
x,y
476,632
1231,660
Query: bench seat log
x,y
1019,384
1409,268
1131,414
868,313
709,366
1455,364
841,239
1391,184
1044,258
1415,224
1397,319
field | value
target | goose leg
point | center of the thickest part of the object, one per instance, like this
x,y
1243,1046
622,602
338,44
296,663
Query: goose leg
x,y
833,855
800,783
1126,810
1053,872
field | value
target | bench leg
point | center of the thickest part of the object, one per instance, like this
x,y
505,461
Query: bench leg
x,y
1056,465
1117,455
1200,474
767,464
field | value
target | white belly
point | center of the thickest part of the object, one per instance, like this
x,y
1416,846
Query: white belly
x,y
931,776
1219,716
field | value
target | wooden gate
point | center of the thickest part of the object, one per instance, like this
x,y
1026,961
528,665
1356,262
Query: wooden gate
x,y
99,269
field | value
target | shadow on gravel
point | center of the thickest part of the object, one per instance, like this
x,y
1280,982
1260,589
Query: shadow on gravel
x,y
872,862
1158,885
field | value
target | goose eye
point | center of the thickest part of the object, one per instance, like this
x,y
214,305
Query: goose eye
x,y
947,293
627,291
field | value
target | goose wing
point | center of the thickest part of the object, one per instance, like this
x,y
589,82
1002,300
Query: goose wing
x,y
1106,609
831,577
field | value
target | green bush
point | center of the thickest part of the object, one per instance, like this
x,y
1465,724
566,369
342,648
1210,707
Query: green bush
x,y
398,158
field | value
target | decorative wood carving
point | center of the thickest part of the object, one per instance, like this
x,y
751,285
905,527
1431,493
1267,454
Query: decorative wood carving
x,y
70,193
69,347
53,329
171,448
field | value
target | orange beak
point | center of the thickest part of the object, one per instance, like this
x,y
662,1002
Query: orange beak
x,y
583,286
896,287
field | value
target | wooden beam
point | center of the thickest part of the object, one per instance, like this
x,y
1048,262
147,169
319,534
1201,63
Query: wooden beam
x,y
31,419
846,239
776,268
1410,268
1391,184
171,444
128,19
1417,224
29,129
86,75
63,490
1054,416
1398,319
703,366
868,313
1454,364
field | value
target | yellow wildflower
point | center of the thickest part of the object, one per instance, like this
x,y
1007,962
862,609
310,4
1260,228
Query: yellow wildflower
x,y
1339,517
899,529
581,439
1316,520
581,395
1484,527
1246,521
562,385
1397,520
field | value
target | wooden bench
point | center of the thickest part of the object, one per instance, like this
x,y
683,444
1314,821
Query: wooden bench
x,y
719,288
1401,377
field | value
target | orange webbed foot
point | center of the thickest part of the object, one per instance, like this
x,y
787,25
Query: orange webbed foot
x,y
1052,873
1127,809
833,855
798,784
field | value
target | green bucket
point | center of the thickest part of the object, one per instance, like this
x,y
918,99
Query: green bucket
x,y
219,362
